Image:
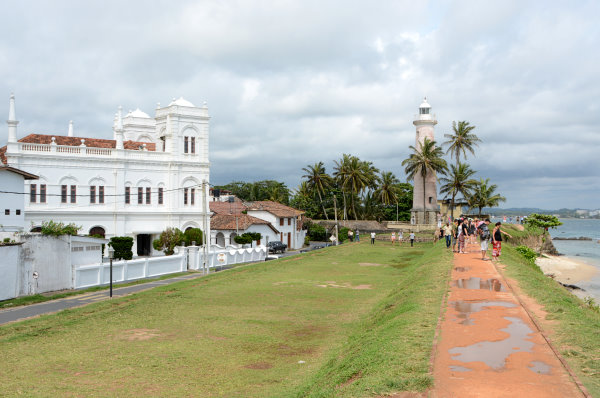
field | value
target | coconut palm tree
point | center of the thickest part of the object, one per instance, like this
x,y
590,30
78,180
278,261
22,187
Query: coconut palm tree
x,y
353,177
340,174
484,196
462,141
386,190
458,181
318,181
425,160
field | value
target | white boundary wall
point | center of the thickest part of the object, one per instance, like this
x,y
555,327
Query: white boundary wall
x,y
191,257
17,267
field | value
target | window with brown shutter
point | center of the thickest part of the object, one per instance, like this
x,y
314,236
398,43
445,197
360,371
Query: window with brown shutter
x,y
73,193
63,194
32,193
42,193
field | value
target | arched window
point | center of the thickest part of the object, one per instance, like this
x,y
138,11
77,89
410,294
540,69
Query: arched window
x,y
97,231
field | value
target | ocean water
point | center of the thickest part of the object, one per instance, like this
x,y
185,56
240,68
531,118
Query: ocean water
x,y
582,250
585,251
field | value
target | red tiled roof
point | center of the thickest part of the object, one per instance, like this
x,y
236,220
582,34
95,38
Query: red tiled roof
x,y
275,208
235,207
90,142
3,155
240,222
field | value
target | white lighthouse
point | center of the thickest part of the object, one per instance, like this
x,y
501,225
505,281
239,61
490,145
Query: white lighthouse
x,y
425,207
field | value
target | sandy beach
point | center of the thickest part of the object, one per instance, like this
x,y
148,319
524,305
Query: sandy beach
x,y
565,269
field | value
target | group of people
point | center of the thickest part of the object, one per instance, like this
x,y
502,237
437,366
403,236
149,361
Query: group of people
x,y
464,231
411,237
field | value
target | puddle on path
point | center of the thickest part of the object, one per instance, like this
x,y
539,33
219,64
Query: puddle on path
x,y
540,367
466,308
456,368
462,269
494,353
477,283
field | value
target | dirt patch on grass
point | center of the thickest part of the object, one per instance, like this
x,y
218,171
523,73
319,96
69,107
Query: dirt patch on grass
x,y
139,334
288,351
345,285
259,366
279,283
369,264
351,380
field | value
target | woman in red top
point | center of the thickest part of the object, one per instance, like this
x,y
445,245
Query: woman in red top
x,y
497,241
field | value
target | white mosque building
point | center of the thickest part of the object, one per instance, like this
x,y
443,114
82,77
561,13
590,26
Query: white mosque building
x,y
152,175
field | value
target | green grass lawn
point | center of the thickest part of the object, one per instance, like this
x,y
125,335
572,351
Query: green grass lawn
x,y
577,325
344,321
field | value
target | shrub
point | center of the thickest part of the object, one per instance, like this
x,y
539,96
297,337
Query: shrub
x,y
122,246
247,237
527,253
193,235
169,238
343,234
6,240
53,228
317,233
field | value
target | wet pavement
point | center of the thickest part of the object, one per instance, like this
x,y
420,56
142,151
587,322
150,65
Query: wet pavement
x,y
488,345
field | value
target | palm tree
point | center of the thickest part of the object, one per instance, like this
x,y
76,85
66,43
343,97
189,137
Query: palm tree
x,y
318,181
425,160
484,196
340,173
459,181
463,140
386,190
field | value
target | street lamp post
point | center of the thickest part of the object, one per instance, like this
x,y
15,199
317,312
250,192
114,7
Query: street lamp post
x,y
111,255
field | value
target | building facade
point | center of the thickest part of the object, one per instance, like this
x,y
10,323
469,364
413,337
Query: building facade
x,y
153,174
425,208
12,205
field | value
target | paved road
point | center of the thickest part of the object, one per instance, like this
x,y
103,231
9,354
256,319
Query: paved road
x,y
24,312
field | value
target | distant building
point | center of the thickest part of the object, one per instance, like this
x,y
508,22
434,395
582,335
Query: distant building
x,y
152,175
425,208
275,221
12,205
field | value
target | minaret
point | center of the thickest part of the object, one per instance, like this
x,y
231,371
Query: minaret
x,y
12,120
424,123
70,134
119,130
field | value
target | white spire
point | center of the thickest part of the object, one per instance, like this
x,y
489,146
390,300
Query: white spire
x,y
119,130
70,128
119,119
12,120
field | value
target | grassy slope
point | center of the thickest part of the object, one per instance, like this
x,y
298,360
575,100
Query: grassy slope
x,y
242,332
577,327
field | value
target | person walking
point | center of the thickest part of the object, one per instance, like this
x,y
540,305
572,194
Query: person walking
x,y
357,235
461,232
497,241
412,238
393,237
484,236
454,235
372,238
448,234
350,235
400,237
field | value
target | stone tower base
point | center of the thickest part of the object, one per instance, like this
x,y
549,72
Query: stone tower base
x,y
429,217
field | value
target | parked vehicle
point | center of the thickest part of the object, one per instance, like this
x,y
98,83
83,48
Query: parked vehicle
x,y
276,246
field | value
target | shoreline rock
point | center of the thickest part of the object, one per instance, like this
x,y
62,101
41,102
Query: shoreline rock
x,y
579,238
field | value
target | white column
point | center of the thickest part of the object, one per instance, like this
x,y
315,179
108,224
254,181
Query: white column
x,y
12,120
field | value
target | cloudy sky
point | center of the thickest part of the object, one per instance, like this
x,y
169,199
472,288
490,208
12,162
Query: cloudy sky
x,y
291,83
